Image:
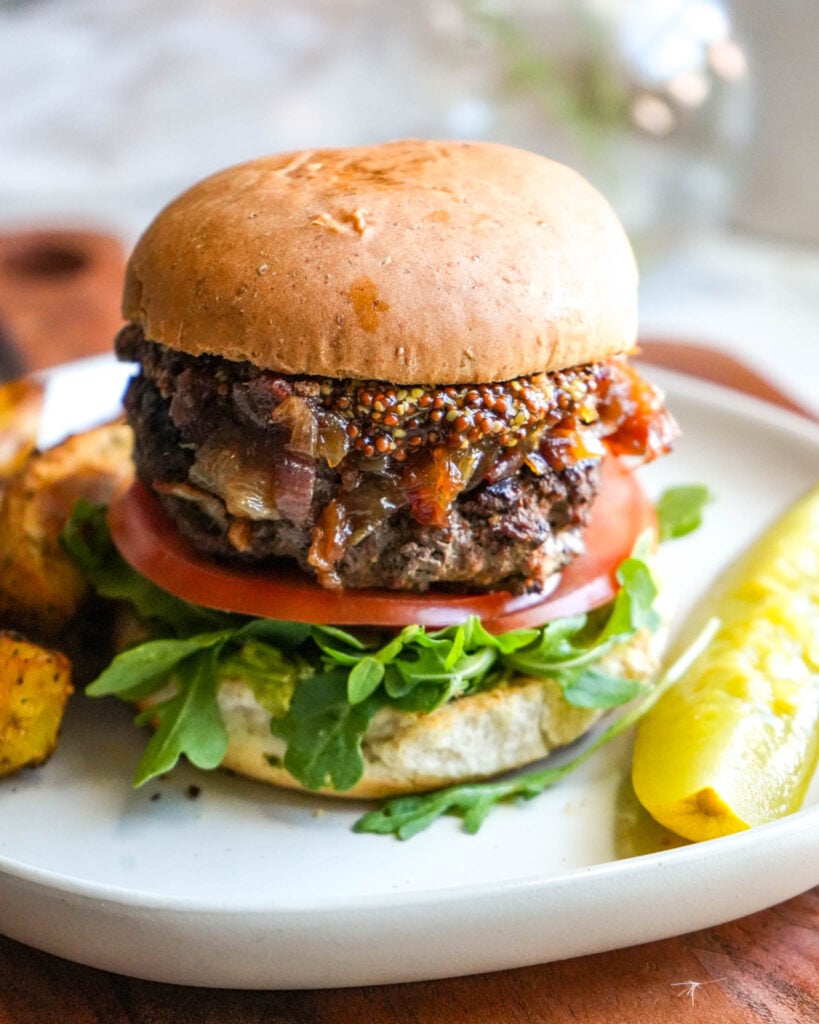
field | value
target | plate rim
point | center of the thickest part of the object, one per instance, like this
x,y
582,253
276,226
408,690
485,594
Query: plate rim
x,y
792,826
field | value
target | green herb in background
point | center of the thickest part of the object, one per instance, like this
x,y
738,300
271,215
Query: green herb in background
x,y
586,94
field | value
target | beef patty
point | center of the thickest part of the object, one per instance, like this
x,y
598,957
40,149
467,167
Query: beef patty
x,y
370,485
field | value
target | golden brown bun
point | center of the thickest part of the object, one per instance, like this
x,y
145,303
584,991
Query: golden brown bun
x,y
467,739
412,262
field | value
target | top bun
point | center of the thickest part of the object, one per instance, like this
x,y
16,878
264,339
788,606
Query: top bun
x,y
412,262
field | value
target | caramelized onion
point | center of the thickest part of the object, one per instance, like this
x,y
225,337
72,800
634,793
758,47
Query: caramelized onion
x,y
483,454
347,520
565,448
369,505
329,543
508,464
333,442
209,503
296,416
256,482
247,487
535,462
295,481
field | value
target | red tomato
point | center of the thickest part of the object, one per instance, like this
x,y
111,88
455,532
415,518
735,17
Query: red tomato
x,y
147,538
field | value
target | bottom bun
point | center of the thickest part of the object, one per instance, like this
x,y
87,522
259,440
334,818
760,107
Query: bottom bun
x,y
469,739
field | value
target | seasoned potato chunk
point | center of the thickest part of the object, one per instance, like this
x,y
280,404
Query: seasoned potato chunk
x,y
40,587
34,686
21,403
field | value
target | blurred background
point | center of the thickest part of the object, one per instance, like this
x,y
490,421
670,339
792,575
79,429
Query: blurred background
x,y
699,119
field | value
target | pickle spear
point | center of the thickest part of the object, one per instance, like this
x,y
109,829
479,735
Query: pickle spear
x,y
736,741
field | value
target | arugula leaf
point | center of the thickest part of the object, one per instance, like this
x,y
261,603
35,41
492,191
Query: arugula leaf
x,y
188,723
679,510
569,649
323,714
406,816
367,673
633,607
554,648
140,671
424,682
324,732
364,679
591,688
274,632
322,684
391,650
87,539
475,635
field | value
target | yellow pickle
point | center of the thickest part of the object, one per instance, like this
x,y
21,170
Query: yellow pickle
x,y
734,743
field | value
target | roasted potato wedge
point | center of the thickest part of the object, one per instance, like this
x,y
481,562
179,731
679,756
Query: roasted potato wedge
x,y
40,587
35,684
21,406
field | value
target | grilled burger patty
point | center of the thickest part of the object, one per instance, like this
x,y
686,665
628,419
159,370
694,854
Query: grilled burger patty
x,y
372,485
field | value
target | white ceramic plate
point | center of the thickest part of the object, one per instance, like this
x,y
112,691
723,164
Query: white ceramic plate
x,y
210,880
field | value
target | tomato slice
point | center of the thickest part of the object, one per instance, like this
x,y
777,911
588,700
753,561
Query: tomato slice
x,y
148,539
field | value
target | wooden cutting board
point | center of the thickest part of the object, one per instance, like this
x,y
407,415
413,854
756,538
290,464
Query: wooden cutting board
x,y
59,296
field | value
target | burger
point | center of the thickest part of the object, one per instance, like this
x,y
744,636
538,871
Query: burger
x,y
385,429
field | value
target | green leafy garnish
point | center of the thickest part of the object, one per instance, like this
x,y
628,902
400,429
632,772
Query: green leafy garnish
x,y
140,671
322,685
188,722
679,510
406,816
87,539
324,732
568,650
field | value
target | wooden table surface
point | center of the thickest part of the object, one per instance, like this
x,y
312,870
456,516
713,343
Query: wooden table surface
x,y
58,300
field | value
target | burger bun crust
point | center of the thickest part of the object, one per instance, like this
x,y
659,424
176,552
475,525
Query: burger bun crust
x,y
410,262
